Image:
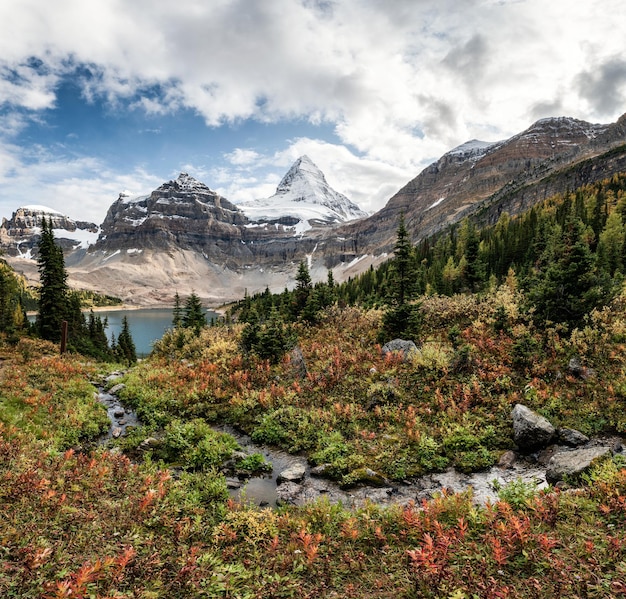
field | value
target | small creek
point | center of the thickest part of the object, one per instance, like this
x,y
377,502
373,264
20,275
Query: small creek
x,y
265,491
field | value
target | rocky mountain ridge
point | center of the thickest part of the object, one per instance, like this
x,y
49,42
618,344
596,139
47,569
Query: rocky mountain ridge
x,y
184,236
19,235
477,175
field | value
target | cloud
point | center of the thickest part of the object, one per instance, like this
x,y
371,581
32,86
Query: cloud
x,y
604,87
400,82
82,188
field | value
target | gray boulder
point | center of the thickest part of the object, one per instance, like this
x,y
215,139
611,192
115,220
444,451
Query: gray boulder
x,y
293,474
530,430
117,388
575,462
572,437
401,346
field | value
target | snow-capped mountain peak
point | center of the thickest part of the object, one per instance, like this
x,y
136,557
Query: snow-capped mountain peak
x,y
303,199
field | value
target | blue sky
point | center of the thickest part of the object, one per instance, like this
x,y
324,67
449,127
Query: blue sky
x,y
103,96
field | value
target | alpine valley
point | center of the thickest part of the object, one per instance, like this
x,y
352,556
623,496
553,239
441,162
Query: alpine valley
x,y
184,237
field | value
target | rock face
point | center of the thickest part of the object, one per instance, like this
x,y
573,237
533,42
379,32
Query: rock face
x,y
530,430
183,213
572,463
20,234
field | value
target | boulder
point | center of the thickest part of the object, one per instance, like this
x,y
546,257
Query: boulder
x,y
406,348
572,437
293,474
148,444
530,430
575,462
117,388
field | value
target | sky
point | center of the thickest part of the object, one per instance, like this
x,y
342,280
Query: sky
x,y
99,97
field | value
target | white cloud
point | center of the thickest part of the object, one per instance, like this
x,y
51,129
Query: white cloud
x,y
402,82
82,188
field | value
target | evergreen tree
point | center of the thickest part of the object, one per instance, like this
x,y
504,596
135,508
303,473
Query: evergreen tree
x,y
53,300
177,313
401,317
566,286
611,244
194,316
402,270
303,289
12,314
125,348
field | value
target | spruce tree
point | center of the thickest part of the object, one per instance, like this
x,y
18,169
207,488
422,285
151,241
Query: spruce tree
x,y
303,289
402,270
401,318
177,312
53,294
566,285
194,316
125,348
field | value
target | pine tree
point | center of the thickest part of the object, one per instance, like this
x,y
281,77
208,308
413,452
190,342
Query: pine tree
x,y
402,318
53,300
611,244
125,348
194,316
303,289
12,314
402,270
566,285
177,313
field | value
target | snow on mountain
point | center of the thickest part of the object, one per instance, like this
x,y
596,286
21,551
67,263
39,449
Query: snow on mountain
x,y
474,148
19,235
303,199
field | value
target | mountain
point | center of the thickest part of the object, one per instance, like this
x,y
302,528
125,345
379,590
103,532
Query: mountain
x,y
19,235
482,180
303,200
185,237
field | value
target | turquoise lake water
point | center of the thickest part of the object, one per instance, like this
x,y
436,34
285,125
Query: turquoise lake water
x,y
146,325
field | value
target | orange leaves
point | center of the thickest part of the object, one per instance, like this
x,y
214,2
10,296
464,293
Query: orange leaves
x,y
309,544
80,584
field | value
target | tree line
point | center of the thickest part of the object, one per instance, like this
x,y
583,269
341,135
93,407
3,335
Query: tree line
x,y
567,253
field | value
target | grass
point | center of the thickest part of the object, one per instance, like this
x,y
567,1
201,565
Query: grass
x,y
85,523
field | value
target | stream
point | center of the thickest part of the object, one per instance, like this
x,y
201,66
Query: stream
x,y
265,490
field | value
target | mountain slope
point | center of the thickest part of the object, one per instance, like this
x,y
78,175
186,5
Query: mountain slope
x,y
475,175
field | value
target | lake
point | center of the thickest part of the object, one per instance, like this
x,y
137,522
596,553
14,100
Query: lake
x,y
146,325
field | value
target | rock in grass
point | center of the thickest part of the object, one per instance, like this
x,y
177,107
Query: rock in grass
x,y
400,346
530,430
570,464
293,474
